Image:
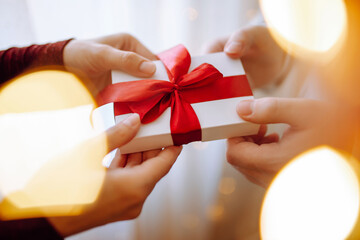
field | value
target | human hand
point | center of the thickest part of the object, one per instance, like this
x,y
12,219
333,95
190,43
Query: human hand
x,y
263,60
311,123
94,59
128,182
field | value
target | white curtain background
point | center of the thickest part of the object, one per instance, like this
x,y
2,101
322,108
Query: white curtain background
x,y
202,197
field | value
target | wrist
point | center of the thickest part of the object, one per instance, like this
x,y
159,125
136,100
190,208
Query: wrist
x,y
68,53
70,225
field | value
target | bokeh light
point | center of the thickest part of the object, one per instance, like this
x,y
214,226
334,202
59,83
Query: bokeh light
x,y
192,13
316,196
341,76
305,27
216,212
50,156
227,185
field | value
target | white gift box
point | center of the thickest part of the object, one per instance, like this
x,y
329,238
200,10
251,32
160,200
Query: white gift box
x,y
218,119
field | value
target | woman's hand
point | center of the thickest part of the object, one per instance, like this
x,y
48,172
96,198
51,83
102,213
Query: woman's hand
x,y
94,59
311,123
128,182
263,60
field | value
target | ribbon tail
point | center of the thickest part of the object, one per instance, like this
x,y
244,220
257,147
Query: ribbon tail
x,y
184,123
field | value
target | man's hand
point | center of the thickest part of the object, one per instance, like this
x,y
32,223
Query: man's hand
x,y
94,59
128,182
311,123
262,58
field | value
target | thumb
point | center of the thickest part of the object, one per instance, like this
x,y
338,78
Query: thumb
x,y
157,167
123,132
129,62
238,43
295,112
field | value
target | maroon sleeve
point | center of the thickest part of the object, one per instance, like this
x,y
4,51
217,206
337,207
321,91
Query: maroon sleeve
x,y
35,228
15,60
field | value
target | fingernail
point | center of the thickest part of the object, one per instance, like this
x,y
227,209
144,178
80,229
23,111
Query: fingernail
x,y
132,121
147,67
233,47
245,108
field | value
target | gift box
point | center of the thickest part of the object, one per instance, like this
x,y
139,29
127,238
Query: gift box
x,y
187,99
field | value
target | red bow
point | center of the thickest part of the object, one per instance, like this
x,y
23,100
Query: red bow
x,y
150,98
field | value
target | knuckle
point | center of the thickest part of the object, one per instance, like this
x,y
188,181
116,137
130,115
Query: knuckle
x,y
230,157
101,51
122,131
129,58
240,35
125,35
266,107
130,37
243,34
173,152
129,41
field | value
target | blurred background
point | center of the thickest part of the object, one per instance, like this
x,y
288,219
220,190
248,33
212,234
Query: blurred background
x,y
202,197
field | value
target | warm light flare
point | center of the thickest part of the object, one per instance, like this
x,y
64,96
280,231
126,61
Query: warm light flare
x,y
316,196
50,156
305,27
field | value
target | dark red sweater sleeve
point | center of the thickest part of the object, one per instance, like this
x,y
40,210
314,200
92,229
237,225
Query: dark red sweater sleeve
x,y
35,228
16,60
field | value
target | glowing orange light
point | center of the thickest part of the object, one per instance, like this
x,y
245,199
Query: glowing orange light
x,y
316,196
50,160
227,185
216,212
305,27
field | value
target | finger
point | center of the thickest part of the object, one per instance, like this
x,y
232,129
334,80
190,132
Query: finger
x,y
260,135
127,42
274,137
150,154
295,112
155,168
215,46
236,140
249,139
251,175
143,51
118,159
133,160
134,45
238,43
123,160
110,58
122,132
262,131
251,155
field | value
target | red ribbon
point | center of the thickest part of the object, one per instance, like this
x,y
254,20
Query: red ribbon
x,y
150,98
